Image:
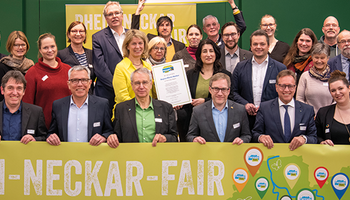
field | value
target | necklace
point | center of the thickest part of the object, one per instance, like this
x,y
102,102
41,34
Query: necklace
x,y
344,123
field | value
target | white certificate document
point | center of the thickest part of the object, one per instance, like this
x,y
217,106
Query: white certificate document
x,y
171,83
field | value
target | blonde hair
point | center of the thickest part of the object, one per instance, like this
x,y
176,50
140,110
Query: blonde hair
x,y
12,38
155,41
129,36
44,36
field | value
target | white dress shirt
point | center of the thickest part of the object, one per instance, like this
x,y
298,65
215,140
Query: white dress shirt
x,y
291,112
258,77
119,39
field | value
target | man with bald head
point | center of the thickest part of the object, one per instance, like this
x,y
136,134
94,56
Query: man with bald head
x,y
342,61
331,30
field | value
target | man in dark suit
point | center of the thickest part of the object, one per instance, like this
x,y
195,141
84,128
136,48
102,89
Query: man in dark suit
x,y
232,54
253,80
283,119
164,29
220,119
342,61
143,119
80,117
18,120
107,50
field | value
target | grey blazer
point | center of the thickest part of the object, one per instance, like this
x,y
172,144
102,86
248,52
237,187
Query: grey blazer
x,y
243,55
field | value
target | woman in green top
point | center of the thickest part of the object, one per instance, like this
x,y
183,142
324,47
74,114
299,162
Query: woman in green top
x,y
207,64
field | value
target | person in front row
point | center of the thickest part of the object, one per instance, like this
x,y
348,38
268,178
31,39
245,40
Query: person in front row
x,y
80,117
18,120
220,119
143,119
283,119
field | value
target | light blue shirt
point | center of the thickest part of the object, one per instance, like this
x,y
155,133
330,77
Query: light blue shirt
x,y
345,65
78,122
220,121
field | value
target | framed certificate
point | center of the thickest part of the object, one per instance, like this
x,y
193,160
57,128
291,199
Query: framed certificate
x,y
171,83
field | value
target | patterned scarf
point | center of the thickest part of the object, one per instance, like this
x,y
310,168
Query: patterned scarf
x,y
20,65
322,76
301,62
156,62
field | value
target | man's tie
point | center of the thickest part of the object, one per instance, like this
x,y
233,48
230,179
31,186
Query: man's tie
x,y
287,129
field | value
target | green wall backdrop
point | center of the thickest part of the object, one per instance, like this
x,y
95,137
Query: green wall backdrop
x,y
35,17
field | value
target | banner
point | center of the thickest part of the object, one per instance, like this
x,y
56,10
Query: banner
x,y
185,1
173,171
92,16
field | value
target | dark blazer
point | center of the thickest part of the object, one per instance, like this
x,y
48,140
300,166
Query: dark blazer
x,y
186,57
135,24
202,123
243,55
2,55
268,122
335,63
98,111
125,121
32,120
67,56
106,56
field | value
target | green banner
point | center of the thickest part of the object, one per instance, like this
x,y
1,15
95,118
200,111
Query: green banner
x,y
173,171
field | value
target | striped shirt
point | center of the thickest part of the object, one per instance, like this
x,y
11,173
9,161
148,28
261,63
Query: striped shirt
x,y
82,59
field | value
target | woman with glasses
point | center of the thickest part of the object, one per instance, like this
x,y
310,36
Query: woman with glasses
x,y
333,121
47,79
207,64
188,55
156,51
76,53
299,58
17,45
277,49
313,84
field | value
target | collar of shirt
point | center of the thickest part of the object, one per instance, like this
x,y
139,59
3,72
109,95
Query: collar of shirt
x,y
344,60
236,53
149,106
17,112
291,103
115,33
213,106
265,62
169,43
72,102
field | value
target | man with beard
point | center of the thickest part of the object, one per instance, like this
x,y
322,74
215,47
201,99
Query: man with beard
x,y
342,61
330,30
232,54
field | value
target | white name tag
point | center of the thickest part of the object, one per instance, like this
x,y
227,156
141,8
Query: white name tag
x,y
236,125
30,131
96,124
90,66
325,84
272,81
45,77
186,66
303,128
159,120
327,130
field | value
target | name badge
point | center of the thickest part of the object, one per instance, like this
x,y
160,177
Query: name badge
x,y
90,66
185,66
45,77
30,131
325,84
159,120
327,130
236,125
303,128
272,81
97,124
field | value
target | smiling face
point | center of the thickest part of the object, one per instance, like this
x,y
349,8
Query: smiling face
x,y
79,90
19,49
13,93
136,47
211,27
304,44
48,49
114,16
285,94
344,43
208,54
157,52
77,34
269,25
259,46
141,85
194,36
164,29
330,27
320,61
339,91
230,36
219,97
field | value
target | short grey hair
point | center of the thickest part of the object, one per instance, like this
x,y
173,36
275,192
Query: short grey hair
x,y
141,70
209,16
109,3
320,48
79,68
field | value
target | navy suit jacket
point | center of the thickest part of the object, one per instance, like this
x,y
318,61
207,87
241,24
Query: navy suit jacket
x,y
202,123
106,56
335,63
125,121
33,121
268,122
99,119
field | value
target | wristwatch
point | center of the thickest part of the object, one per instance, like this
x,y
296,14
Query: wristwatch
x,y
235,8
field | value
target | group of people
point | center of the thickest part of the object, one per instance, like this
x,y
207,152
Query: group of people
x,y
269,94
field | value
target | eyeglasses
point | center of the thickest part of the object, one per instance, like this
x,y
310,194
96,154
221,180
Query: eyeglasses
x,y
290,87
344,41
266,25
114,14
20,45
331,25
77,31
138,83
159,48
82,80
217,90
229,35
